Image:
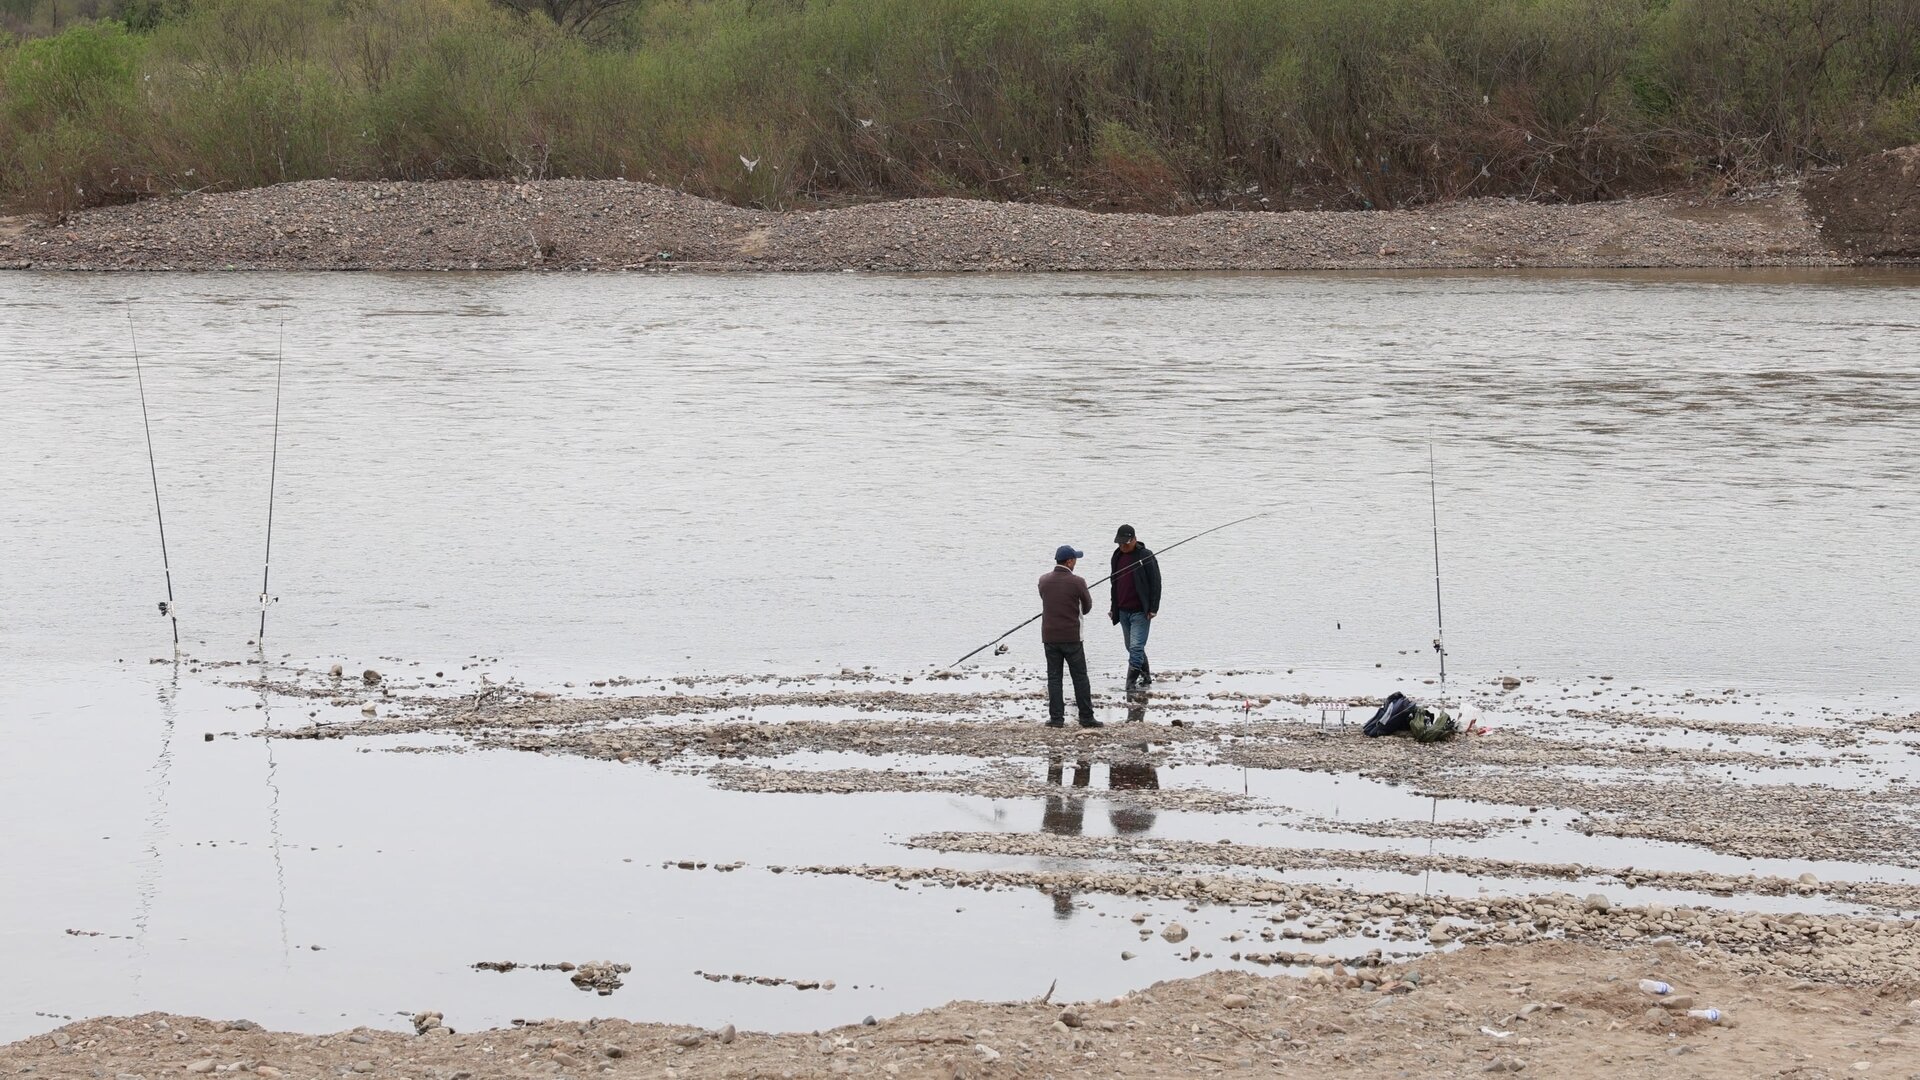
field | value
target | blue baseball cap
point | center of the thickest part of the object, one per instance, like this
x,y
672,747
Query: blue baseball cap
x,y
1065,552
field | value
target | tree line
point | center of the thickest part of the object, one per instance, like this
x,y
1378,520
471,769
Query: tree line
x,y
1163,105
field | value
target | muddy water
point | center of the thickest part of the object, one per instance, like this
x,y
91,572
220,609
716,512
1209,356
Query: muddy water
x,y
1681,480
1670,475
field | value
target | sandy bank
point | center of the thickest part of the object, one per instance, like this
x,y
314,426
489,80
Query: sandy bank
x,y
611,225
1550,1009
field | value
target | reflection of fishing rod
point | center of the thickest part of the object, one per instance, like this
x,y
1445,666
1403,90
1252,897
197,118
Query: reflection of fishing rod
x,y
149,887
1103,581
273,475
154,472
273,809
1440,621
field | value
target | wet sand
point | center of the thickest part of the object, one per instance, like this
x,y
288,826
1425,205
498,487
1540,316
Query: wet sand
x,y
1549,1009
1680,835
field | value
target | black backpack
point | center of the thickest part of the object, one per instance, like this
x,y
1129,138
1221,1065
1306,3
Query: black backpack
x,y
1394,716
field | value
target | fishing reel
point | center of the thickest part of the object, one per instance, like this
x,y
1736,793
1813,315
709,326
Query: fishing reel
x,y
265,600
167,608
1439,647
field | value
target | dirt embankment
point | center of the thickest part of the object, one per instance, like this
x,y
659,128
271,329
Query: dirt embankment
x,y
1871,208
1551,1009
612,225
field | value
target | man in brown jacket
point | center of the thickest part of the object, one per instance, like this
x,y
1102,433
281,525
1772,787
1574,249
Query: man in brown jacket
x,y
1063,599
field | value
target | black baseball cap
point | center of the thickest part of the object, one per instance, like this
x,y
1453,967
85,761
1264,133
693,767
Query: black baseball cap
x,y
1125,534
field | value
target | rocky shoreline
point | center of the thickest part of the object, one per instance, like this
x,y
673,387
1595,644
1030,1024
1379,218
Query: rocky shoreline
x,y
616,225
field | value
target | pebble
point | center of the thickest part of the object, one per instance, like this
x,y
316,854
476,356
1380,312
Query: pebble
x,y
61,1038
204,1065
336,671
727,1034
1174,932
370,677
267,1072
691,1038
1236,1001
1596,902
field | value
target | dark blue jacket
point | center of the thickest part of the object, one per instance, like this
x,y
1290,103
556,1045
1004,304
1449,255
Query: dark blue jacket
x,y
1146,581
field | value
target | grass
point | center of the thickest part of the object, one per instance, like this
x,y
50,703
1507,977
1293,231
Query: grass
x,y
1166,105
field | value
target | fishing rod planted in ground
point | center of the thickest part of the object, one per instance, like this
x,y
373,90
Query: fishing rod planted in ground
x,y
273,475
1103,581
153,471
1440,620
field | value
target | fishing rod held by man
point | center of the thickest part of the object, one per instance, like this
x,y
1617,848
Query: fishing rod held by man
x,y
1162,552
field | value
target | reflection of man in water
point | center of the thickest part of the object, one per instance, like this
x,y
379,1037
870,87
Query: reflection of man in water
x,y
1132,776
1066,812
1065,815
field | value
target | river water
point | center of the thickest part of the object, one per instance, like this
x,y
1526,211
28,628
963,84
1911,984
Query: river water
x,y
1681,479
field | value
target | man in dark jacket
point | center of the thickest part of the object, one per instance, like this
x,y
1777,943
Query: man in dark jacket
x,y
1064,597
1135,600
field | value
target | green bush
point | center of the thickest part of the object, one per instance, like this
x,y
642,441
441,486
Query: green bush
x,y
1152,104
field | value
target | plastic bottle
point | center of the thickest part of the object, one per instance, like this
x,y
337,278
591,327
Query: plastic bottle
x,y
1711,1016
1656,987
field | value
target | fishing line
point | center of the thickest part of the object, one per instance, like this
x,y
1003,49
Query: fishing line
x,y
273,476
153,471
1103,581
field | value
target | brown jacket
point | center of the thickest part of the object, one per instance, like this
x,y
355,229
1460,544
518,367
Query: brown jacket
x,y
1063,599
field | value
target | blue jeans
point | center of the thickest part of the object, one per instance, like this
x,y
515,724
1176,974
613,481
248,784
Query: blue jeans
x,y
1133,629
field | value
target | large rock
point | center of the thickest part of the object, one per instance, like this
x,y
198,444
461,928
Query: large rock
x,y
1871,208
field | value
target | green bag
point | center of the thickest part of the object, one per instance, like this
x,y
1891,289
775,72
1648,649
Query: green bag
x,y
1429,726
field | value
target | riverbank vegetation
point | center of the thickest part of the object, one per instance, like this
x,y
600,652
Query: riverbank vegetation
x,y
1164,105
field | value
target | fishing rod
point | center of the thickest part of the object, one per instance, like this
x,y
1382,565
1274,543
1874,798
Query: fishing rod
x,y
153,471
273,475
1440,620
1103,581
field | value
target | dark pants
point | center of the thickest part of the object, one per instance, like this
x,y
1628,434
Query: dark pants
x,y
1074,657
